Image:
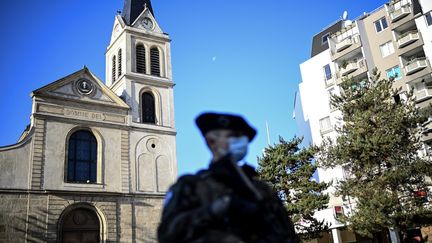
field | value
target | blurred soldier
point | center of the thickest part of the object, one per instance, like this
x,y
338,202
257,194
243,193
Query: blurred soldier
x,y
226,202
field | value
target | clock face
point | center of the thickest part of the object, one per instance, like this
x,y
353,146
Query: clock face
x,y
147,23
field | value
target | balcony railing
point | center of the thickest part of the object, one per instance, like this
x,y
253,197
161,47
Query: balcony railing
x,y
399,13
415,65
345,43
422,94
352,67
408,38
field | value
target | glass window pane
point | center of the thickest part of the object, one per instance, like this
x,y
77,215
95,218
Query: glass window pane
x,y
397,72
391,47
148,108
429,18
327,72
71,171
83,150
384,23
390,73
324,38
82,171
378,26
71,150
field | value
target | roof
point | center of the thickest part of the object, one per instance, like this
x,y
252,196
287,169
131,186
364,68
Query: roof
x,y
133,8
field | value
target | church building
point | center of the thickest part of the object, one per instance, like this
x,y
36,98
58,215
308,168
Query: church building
x,y
98,157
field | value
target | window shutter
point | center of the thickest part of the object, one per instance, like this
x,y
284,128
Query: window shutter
x,y
114,68
155,62
140,59
119,62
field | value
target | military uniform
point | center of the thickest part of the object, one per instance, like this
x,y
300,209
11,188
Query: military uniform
x,y
187,215
225,203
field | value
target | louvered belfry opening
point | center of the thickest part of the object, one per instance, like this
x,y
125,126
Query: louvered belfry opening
x,y
140,59
148,108
120,71
155,61
114,68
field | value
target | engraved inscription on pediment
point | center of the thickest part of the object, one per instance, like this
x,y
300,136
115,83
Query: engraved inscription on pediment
x,y
80,114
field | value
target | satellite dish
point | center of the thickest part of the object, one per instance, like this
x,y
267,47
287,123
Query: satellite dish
x,y
345,15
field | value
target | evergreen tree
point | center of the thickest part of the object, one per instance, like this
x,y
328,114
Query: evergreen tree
x,y
378,146
290,170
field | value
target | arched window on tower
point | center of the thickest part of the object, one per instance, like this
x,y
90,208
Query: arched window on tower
x,y
155,61
82,157
140,59
148,108
120,63
114,68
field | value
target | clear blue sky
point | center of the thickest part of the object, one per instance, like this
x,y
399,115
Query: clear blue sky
x,y
237,56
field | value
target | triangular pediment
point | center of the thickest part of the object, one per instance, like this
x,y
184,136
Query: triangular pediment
x,y
146,21
118,28
81,86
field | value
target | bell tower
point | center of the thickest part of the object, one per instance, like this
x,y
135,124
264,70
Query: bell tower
x,y
138,69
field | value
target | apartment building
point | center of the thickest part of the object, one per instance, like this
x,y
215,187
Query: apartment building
x,y
396,38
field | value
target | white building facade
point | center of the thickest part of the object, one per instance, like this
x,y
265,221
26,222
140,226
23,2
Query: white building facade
x,y
396,39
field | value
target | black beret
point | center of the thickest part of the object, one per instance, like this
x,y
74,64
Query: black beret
x,y
211,121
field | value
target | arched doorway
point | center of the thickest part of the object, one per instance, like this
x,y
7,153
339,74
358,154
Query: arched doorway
x,y
80,225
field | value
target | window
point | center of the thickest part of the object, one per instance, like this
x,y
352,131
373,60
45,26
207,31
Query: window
x,y
82,157
387,49
140,59
381,24
324,38
119,62
155,62
428,18
325,124
327,72
113,68
394,73
148,108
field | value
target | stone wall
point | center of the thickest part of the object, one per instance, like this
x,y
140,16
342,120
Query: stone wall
x,y
37,216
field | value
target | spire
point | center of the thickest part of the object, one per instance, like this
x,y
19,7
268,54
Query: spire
x,y
133,8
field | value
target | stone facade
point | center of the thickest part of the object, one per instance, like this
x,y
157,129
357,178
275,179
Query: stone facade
x,y
132,163
35,216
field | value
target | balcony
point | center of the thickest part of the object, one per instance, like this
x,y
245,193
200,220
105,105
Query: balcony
x,y
352,67
416,65
408,38
422,94
344,44
348,46
399,13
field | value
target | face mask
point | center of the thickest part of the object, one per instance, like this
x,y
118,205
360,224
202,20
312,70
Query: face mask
x,y
238,147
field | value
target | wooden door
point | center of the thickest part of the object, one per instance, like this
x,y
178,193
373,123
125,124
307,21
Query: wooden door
x,y
81,226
